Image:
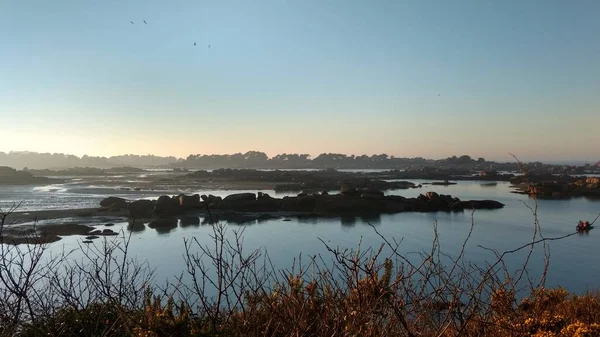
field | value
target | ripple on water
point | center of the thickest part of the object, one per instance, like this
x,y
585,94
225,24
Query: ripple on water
x,y
55,188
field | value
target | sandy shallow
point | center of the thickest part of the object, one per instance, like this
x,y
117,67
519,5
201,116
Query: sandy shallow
x,y
78,214
39,227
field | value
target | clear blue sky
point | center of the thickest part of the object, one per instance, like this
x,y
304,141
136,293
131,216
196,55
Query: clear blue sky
x,y
408,78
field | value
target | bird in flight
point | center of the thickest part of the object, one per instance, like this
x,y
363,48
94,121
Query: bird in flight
x,y
131,22
208,46
145,22
194,44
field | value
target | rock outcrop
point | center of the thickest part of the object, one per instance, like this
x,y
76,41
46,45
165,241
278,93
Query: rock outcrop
x,y
189,202
589,183
210,199
352,201
166,206
240,197
114,203
141,208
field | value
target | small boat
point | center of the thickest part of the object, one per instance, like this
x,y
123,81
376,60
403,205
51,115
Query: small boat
x,y
583,226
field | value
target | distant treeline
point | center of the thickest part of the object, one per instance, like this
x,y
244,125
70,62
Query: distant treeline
x,y
251,159
34,160
254,159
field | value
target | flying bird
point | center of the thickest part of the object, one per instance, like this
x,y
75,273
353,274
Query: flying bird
x,y
131,22
208,46
145,22
194,44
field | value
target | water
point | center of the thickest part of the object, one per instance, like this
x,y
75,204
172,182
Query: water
x,y
574,260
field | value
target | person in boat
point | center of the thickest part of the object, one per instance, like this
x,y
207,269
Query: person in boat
x,y
583,225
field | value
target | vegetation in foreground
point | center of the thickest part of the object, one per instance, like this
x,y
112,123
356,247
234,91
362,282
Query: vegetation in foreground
x,y
226,291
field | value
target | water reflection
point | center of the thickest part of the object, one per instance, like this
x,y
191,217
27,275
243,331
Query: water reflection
x,y
373,219
584,233
163,225
489,184
240,218
310,220
236,219
135,226
562,197
348,221
187,221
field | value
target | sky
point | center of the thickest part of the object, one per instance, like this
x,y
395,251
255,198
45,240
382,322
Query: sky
x,y
406,78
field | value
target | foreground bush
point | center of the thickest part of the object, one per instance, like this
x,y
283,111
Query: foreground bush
x,y
228,292
298,309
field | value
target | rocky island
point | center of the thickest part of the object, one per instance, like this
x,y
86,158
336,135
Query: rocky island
x,y
350,200
164,213
557,187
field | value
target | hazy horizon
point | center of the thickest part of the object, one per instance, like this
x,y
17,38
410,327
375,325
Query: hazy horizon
x,y
312,156
416,79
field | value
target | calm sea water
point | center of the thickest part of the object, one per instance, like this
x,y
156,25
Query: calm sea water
x,y
575,261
